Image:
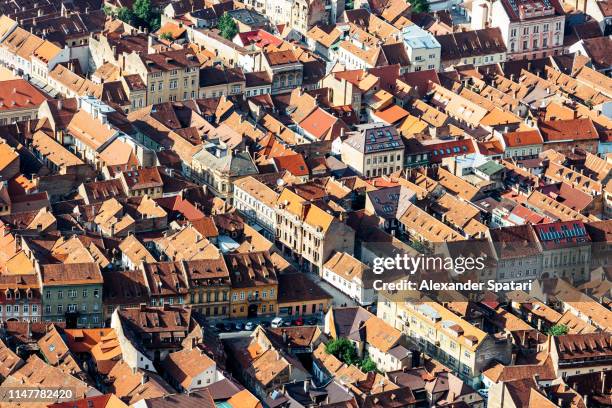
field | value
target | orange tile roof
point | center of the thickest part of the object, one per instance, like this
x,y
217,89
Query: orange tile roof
x,y
47,51
318,123
173,29
7,154
244,399
391,115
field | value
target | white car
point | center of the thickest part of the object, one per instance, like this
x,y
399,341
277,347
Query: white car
x,y
249,326
276,322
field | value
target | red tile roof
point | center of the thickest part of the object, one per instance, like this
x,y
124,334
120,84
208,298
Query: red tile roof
x,y
437,151
259,38
98,401
568,130
524,138
19,94
294,164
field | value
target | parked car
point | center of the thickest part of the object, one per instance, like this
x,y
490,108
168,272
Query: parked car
x,y
299,321
311,322
220,326
249,326
239,326
228,327
277,322
287,323
265,323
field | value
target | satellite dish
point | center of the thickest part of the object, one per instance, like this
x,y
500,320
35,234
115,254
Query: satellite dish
x,y
280,182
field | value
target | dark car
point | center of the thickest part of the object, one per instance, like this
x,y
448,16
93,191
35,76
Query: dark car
x,y
311,322
220,326
228,327
286,323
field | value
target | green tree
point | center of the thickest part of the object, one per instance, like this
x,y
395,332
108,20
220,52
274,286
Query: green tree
x,y
125,14
142,9
368,365
558,330
227,26
108,11
343,349
155,22
166,36
420,6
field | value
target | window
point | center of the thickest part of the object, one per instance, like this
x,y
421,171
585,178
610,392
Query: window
x,y
60,294
96,293
525,30
545,28
60,308
48,309
536,29
84,293
72,293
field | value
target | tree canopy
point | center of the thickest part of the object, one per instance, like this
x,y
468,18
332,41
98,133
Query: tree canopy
x,y
420,6
227,26
343,349
558,330
368,365
140,15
